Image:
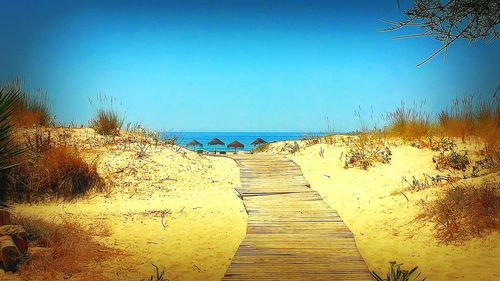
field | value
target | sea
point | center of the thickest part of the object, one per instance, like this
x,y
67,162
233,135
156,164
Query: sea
x,y
246,138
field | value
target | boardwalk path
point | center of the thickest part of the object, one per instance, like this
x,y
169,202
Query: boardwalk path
x,y
292,233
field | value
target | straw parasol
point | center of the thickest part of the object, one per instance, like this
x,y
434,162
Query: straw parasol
x,y
235,144
258,141
215,142
194,144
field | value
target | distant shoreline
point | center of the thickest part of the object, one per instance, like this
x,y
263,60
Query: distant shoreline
x,y
246,138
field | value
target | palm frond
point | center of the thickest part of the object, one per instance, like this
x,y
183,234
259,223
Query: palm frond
x,y
8,148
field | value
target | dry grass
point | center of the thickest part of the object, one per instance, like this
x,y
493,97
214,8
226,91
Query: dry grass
x,y
63,173
467,118
54,172
310,140
29,110
474,118
409,123
464,211
70,249
106,121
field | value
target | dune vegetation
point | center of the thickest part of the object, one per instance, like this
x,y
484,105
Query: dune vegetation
x,y
423,189
89,199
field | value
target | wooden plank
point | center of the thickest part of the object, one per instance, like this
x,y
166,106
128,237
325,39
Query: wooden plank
x,y
292,234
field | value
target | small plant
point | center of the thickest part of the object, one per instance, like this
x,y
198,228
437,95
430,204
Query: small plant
x,y
321,152
453,160
292,147
364,152
397,274
310,139
159,276
172,139
143,146
441,144
106,121
417,184
488,164
464,211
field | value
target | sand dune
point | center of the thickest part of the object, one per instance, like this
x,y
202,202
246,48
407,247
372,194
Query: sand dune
x,y
179,210
173,208
383,220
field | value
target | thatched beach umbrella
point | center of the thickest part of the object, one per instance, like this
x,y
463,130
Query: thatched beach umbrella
x,y
235,144
258,141
216,142
194,144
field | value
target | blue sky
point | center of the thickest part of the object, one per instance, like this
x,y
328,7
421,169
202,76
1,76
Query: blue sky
x,y
233,65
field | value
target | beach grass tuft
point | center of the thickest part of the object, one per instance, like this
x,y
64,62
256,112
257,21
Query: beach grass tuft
x,y
107,121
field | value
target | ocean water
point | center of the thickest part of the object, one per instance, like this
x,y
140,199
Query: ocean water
x,y
246,138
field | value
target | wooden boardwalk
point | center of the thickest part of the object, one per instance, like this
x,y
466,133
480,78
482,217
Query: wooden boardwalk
x,y
292,233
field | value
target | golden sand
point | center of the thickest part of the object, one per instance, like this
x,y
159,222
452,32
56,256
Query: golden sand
x,y
383,220
174,208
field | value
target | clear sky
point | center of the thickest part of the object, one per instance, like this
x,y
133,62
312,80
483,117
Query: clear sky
x,y
233,65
